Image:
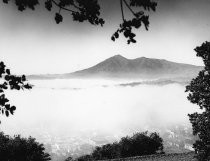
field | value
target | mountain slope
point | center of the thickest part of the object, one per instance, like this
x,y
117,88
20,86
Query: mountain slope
x,y
119,66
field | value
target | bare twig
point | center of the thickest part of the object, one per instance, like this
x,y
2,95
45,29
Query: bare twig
x,y
76,6
63,7
121,5
129,7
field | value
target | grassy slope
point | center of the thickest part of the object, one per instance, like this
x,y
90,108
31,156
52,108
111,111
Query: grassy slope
x,y
166,157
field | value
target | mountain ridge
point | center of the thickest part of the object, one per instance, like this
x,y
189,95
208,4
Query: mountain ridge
x,y
118,66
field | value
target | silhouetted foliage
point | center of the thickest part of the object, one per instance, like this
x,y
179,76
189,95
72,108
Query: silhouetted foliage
x,y
21,149
136,22
108,151
89,10
137,145
199,93
141,144
85,158
9,82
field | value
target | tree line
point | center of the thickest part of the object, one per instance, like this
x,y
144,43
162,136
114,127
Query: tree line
x,y
137,145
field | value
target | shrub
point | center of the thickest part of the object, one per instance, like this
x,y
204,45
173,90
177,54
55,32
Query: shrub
x,y
21,149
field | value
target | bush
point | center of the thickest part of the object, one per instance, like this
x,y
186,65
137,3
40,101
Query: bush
x,y
21,149
141,144
137,145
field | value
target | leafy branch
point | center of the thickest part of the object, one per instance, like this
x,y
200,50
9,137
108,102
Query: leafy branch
x,y
126,27
89,10
10,82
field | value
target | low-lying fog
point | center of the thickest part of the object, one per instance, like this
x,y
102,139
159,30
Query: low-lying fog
x,y
78,106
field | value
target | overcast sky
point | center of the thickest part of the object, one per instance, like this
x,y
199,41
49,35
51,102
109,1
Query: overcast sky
x,y
32,43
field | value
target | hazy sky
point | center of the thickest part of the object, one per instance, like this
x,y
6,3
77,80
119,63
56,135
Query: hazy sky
x,y
31,42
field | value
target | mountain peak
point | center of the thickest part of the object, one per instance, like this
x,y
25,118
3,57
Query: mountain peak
x,y
143,57
118,57
116,60
119,66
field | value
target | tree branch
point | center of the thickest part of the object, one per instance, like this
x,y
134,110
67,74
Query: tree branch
x,y
76,6
62,7
121,5
129,8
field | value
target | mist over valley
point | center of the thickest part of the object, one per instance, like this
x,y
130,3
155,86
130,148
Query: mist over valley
x,y
73,115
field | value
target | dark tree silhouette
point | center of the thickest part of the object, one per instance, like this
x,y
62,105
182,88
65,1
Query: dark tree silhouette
x,y
85,158
141,144
137,145
199,93
9,82
21,149
89,10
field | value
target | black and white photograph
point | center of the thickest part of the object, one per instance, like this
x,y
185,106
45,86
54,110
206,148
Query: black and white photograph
x,y
104,80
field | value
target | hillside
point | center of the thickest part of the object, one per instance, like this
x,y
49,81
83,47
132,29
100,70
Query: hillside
x,y
121,67
163,157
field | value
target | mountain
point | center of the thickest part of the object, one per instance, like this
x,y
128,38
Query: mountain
x,y
121,67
